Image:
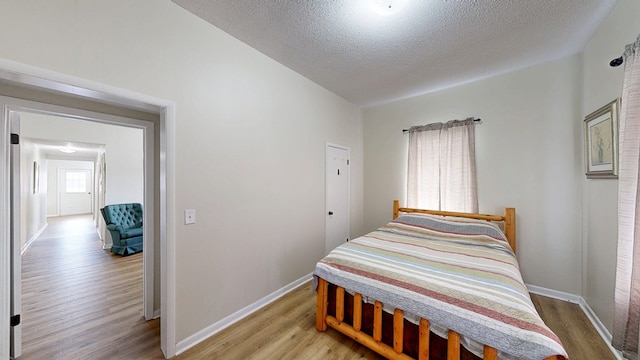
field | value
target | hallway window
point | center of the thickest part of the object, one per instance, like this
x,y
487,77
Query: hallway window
x,y
75,182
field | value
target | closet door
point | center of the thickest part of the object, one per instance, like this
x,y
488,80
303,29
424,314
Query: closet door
x,y
337,197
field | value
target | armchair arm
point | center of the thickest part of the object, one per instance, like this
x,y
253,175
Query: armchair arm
x,y
114,227
115,231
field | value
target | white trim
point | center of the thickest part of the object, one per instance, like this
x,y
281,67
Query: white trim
x,y
26,246
106,246
5,235
554,294
600,328
167,237
58,82
595,321
149,221
215,328
68,85
15,350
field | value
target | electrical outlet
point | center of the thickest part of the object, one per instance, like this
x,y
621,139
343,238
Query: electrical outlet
x,y
189,216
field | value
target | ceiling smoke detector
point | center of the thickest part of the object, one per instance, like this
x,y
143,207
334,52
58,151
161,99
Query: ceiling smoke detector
x,y
388,7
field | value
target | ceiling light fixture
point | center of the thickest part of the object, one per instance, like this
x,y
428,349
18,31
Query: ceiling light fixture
x,y
67,149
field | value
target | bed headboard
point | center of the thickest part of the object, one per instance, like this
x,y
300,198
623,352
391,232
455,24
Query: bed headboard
x,y
509,218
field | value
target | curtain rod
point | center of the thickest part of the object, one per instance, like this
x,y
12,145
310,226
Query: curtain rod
x,y
406,130
619,60
616,62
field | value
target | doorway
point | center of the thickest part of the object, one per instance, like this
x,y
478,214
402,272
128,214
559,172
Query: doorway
x,y
68,253
74,189
72,180
35,84
337,196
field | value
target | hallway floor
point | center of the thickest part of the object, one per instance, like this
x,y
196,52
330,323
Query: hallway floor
x,y
82,302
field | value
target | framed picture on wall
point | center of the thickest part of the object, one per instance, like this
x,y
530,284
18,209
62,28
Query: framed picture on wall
x,y
601,142
36,177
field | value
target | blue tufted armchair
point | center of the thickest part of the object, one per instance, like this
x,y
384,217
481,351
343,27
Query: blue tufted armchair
x,y
124,222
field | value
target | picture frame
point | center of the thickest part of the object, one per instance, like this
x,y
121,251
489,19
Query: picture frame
x,y
36,177
601,142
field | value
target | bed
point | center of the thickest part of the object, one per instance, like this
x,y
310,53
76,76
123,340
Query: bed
x,y
434,285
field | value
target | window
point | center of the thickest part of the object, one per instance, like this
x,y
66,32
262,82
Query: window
x,y
76,182
442,167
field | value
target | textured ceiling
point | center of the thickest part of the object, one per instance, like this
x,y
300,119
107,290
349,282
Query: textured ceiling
x,y
369,58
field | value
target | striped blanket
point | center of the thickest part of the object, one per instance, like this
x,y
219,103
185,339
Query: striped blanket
x,y
460,274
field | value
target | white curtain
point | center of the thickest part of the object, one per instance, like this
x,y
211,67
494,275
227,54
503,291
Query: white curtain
x,y
442,167
627,291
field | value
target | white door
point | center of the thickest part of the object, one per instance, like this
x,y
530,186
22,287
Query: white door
x,y
337,197
15,349
74,188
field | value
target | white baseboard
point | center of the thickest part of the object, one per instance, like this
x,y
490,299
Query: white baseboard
x,y
555,294
595,321
602,330
213,329
32,239
107,243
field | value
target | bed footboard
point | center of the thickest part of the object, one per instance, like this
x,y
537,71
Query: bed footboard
x,y
373,339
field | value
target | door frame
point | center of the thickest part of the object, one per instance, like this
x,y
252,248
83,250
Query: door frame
x,y
163,195
15,347
326,191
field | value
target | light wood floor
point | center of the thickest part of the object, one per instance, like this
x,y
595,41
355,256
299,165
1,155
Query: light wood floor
x,y
81,302
568,321
286,330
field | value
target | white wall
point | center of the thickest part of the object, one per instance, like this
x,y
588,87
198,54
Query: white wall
x,y
528,156
603,84
250,139
33,206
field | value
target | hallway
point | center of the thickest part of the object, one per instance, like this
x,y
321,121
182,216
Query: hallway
x,y
82,302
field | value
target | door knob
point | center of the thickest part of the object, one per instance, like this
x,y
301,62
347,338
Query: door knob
x,y
330,212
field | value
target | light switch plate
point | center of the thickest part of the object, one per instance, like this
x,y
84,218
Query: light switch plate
x,y
189,216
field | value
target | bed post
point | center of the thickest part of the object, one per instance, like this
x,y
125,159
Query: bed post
x,y
396,209
321,304
510,226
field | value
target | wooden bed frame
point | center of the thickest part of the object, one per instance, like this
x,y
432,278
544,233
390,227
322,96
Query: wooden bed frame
x,y
395,346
